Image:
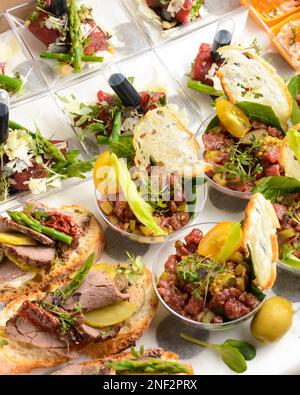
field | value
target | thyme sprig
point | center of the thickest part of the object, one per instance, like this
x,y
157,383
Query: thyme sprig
x,y
243,163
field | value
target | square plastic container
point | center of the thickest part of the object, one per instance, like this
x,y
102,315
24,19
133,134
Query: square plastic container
x,y
127,39
178,55
149,74
42,112
212,11
14,58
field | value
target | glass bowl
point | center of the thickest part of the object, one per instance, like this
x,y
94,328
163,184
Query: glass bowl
x,y
201,199
168,249
288,268
226,191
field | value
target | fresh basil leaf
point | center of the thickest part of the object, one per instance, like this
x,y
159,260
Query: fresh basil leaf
x,y
294,88
260,112
215,122
274,187
247,350
233,359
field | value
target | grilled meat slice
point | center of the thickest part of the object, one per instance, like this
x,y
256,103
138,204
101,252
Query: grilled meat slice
x,y
40,257
7,224
95,292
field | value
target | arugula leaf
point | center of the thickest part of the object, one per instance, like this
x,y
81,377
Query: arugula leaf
x,y
294,88
274,187
260,112
215,122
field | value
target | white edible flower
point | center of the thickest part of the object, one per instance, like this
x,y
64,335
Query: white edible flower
x,y
37,185
19,145
15,166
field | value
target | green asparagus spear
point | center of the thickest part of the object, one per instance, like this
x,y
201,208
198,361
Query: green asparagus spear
x,y
76,37
208,90
116,130
32,223
68,290
10,83
147,365
64,57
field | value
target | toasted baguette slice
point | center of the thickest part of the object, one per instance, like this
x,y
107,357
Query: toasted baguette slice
x,y
244,69
161,135
260,239
158,353
92,241
17,357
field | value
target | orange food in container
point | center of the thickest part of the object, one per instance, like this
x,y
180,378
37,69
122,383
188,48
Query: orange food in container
x,y
287,41
271,12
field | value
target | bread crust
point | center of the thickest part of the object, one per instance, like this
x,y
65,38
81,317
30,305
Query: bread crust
x,y
272,72
17,357
166,356
273,239
92,241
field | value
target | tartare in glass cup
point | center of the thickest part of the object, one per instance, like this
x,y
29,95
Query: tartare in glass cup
x,y
239,162
205,277
152,186
118,215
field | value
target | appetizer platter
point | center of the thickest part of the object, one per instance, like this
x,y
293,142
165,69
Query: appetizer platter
x,y
73,38
124,245
164,20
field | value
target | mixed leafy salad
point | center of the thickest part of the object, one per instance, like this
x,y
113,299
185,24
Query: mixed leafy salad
x,y
70,33
109,120
31,162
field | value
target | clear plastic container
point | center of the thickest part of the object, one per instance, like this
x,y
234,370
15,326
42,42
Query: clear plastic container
x,y
179,55
151,25
43,112
152,77
167,249
226,191
126,41
288,268
201,199
16,60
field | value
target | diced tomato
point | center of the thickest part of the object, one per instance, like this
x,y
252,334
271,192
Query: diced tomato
x,y
183,16
103,97
36,171
37,28
150,100
202,64
97,41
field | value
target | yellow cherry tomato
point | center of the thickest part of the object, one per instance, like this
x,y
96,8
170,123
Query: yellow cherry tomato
x,y
105,174
221,241
234,120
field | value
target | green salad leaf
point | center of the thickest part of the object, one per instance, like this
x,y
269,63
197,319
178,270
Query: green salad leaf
x,y
293,141
123,148
247,350
215,122
274,187
260,112
294,88
142,210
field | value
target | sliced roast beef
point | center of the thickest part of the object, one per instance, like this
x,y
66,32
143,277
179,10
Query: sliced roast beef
x,y
81,370
96,291
7,224
9,271
23,330
38,256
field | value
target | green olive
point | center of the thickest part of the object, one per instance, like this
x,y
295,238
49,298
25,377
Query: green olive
x,y
273,320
